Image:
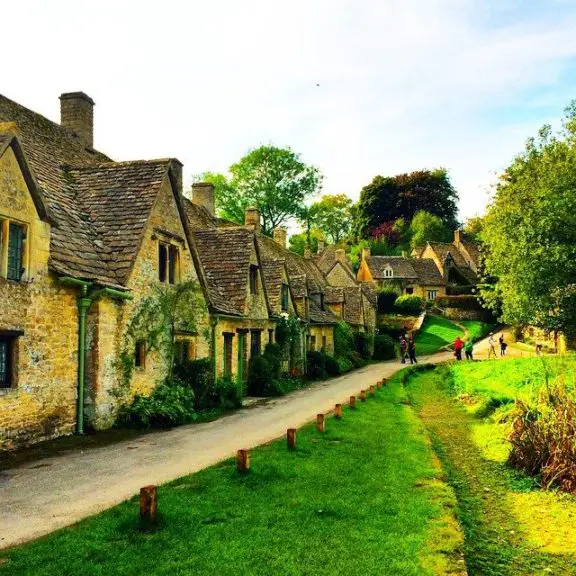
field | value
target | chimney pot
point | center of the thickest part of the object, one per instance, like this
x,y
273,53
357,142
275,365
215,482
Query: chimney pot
x,y
457,237
77,113
176,172
252,218
203,195
279,235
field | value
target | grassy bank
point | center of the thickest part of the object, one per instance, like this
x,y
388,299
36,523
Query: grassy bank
x,y
364,498
435,334
512,527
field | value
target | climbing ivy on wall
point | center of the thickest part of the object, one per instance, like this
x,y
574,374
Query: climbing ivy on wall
x,y
288,337
156,321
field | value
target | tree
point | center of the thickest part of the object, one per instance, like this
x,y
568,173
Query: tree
x,y
299,242
386,199
274,180
426,227
473,227
529,233
332,215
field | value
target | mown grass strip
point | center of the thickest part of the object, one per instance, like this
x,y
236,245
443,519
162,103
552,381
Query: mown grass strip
x,y
365,497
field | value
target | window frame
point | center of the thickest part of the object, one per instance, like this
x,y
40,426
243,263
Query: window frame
x,y
10,342
140,353
168,263
435,295
6,224
253,279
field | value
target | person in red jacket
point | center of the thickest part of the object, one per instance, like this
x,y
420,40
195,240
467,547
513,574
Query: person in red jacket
x,y
458,346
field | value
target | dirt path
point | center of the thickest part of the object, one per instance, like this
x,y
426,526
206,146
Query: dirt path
x,y
495,544
39,497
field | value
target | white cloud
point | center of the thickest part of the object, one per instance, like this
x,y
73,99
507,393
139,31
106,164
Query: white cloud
x,y
402,84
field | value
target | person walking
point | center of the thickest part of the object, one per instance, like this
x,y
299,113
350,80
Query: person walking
x,y
458,345
492,347
503,345
469,350
412,350
403,349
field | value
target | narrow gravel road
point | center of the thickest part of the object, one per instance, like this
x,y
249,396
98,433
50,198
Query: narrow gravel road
x,y
39,497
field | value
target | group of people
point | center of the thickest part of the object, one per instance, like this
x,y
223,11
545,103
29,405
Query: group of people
x,y
408,348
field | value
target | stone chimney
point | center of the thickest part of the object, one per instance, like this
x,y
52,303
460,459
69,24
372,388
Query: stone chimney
x,y
77,113
457,237
321,246
279,235
307,253
252,218
176,173
366,253
340,256
203,195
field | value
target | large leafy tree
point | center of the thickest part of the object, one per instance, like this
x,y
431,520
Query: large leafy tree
x,y
332,215
426,227
274,180
529,233
386,199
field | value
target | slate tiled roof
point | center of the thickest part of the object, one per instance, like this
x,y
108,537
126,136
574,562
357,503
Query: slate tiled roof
x,y
442,249
334,294
371,294
198,217
225,259
427,272
401,267
273,273
98,207
319,316
353,306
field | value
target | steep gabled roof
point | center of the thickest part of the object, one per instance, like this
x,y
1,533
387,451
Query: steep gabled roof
x,y
401,267
225,259
319,316
443,250
274,272
353,313
427,271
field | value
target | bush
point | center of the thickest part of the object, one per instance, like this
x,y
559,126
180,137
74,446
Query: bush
x,y
543,439
357,360
226,394
316,366
459,290
465,302
384,347
260,376
344,364
198,375
363,345
409,304
343,340
386,300
331,365
273,355
170,404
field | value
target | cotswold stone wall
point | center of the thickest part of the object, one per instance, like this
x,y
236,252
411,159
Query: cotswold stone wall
x,y
41,402
323,331
462,314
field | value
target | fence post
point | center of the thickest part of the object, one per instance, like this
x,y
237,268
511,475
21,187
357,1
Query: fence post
x,y
363,395
291,438
372,390
338,411
243,460
353,402
320,423
149,504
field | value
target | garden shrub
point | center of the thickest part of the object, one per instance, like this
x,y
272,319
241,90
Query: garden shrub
x,y
170,404
273,355
226,394
384,347
344,364
543,438
316,366
363,345
409,304
198,375
386,301
343,340
357,360
331,365
260,375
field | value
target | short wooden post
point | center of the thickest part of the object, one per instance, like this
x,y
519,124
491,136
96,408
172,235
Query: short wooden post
x,y
363,395
338,411
242,461
320,423
372,390
291,438
353,402
149,504
384,381
379,384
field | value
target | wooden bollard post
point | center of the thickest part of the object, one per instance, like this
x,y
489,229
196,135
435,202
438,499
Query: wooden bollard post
x,y
338,411
384,380
372,390
320,423
353,402
291,438
149,504
242,461
379,384
363,395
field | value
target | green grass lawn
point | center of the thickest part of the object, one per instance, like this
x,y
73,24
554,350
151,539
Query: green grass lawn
x,y
364,498
477,330
511,526
436,332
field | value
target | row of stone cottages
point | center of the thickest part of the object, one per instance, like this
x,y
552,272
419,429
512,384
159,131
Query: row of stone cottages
x,y
84,240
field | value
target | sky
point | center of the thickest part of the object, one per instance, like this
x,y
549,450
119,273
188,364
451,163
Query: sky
x,y
359,88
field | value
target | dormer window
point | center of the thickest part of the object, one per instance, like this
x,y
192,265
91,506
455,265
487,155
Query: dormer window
x,y
253,279
12,250
388,272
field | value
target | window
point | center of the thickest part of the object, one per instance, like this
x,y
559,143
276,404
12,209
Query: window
x,y
312,343
7,352
255,343
168,263
285,296
410,290
12,250
388,272
323,343
253,279
140,354
432,294
228,354
184,351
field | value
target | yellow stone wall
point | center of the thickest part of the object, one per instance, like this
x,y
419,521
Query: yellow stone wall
x,y
323,330
339,276
422,291
41,404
